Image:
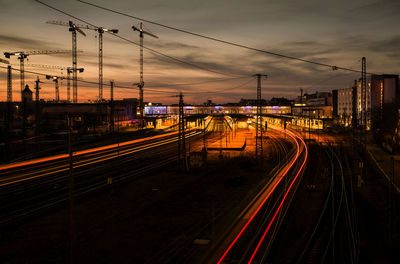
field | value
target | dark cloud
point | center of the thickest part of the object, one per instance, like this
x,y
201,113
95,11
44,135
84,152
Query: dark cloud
x,y
389,47
24,43
377,8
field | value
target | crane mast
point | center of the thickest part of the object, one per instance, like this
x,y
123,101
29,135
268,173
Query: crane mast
x,y
141,81
74,62
100,31
9,84
73,28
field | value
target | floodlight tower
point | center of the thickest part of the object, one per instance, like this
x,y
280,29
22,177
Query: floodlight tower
x,y
100,31
141,82
22,55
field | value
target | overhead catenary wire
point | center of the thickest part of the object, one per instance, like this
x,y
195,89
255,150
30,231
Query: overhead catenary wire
x,y
225,89
333,67
199,83
136,88
137,44
83,81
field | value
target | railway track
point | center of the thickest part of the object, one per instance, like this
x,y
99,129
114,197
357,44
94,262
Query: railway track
x,y
34,187
183,250
250,235
334,238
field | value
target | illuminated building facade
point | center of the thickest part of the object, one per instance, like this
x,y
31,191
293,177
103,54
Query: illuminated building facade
x,y
384,91
381,90
346,106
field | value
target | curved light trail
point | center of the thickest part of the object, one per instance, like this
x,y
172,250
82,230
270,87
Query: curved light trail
x,y
293,136
282,201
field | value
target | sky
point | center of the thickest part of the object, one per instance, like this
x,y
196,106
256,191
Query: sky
x,y
337,33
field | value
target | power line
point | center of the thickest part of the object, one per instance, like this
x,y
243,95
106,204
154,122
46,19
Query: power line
x,y
333,67
132,42
198,83
131,87
321,81
82,81
222,90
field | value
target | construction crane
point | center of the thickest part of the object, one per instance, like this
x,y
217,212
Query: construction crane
x,y
141,82
22,55
73,28
55,78
100,31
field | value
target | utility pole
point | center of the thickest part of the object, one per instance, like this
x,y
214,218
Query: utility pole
x,y
141,82
111,106
24,120
364,108
204,135
364,92
9,84
22,58
37,119
100,31
69,71
71,192
181,136
259,128
9,112
74,65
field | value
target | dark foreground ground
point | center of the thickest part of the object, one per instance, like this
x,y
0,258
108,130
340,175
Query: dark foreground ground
x,y
376,205
156,219
147,220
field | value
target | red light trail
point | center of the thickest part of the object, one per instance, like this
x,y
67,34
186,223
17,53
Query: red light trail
x,y
283,200
293,136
